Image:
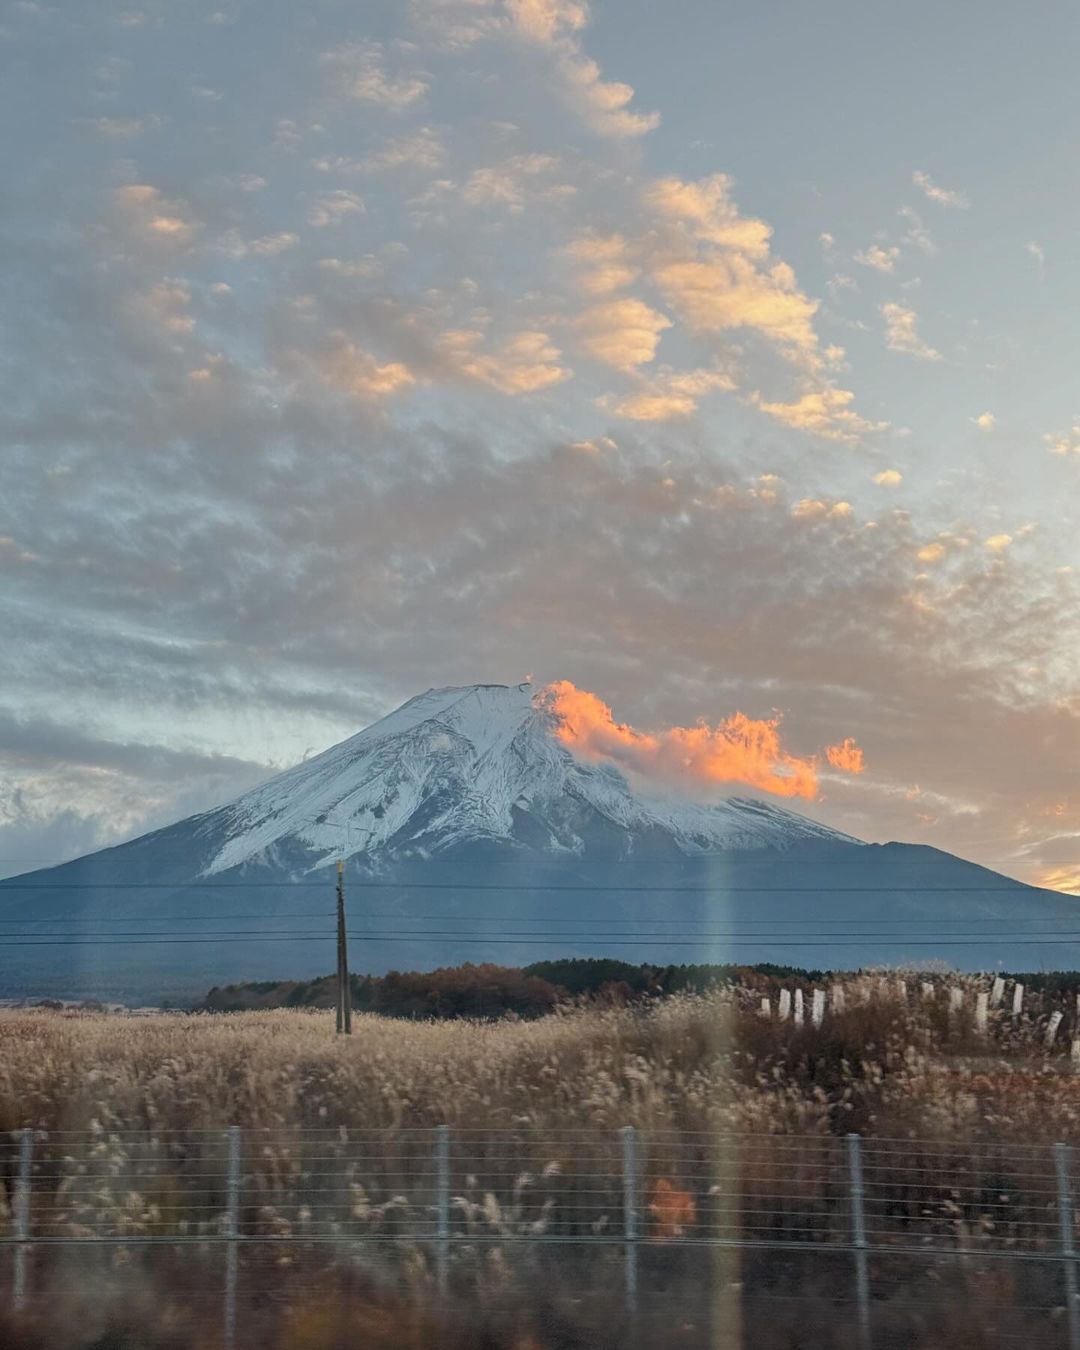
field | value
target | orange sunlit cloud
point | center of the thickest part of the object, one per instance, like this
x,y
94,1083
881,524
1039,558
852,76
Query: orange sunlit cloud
x,y
847,756
1060,878
736,750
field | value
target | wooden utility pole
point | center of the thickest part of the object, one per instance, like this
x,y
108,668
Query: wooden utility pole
x,y
344,992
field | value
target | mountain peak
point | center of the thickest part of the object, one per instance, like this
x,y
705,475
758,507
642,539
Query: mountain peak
x,y
477,764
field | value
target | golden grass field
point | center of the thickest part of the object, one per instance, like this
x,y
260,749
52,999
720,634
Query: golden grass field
x,y
884,1065
891,1065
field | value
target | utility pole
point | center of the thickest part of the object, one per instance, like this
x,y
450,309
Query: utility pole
x,y
344,993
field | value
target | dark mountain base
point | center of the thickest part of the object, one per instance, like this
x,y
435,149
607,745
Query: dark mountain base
x,y
91,929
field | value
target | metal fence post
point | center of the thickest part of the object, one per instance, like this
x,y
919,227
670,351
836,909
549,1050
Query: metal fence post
x,y
232,1233
442,1204
21,1216
630,1214
858,1237
1068,1248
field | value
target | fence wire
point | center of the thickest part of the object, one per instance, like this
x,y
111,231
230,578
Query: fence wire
x,y
889,1211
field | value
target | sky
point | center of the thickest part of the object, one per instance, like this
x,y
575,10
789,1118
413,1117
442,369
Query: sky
x,y
718,361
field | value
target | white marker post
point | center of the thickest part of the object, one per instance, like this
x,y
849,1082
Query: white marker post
x,y
981,1002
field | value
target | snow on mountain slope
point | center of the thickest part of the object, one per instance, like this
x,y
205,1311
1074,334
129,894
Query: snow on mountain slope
x,y
465,804
467,765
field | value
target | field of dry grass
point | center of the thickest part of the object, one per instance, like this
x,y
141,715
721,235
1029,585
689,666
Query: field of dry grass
x,y
885,1064
894,1064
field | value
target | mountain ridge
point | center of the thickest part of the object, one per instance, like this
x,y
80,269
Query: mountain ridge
x,y
463,763
466,799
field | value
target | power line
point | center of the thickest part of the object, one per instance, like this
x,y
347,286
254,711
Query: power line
x,y
186,918
991,935
624,920
787,944
544,887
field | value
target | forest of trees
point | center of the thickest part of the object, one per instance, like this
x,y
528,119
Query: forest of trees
x,y
490,991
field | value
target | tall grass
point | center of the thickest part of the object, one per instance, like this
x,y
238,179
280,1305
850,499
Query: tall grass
x,y
886,1064
894,1066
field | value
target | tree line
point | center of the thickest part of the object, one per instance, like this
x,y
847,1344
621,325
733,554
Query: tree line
x,y
489,991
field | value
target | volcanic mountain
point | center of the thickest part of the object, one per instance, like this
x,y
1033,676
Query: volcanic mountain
x,y
470,831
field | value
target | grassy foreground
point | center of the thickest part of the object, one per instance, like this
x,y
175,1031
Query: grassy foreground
x,y
884,1064
896,1065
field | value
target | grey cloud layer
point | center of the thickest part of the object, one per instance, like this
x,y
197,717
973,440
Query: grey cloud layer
x,y
326,400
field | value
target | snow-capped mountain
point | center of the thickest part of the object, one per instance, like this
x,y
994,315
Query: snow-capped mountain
x,y
454,768
472,832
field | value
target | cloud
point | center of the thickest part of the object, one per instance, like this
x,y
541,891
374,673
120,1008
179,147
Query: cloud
x,y
985,421
355,269
1063,877
547,20
738,750
901,332
511,183
621,333
917,235
603,261
811,508
847,756
1065,443
359,71
998,543
603,104
11,551
879,258
120,128
38,742
333,207
729,292
714,269
888,478
525,363
706,206
656,406
1037,252
422,150
233,243
119,788
348,367
825,412
154,219
166,306
943,196
672,395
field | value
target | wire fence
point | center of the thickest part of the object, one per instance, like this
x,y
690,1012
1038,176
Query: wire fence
x,y
872,1207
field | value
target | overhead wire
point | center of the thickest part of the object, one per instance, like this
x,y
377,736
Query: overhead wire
x,y
515,886
24,941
